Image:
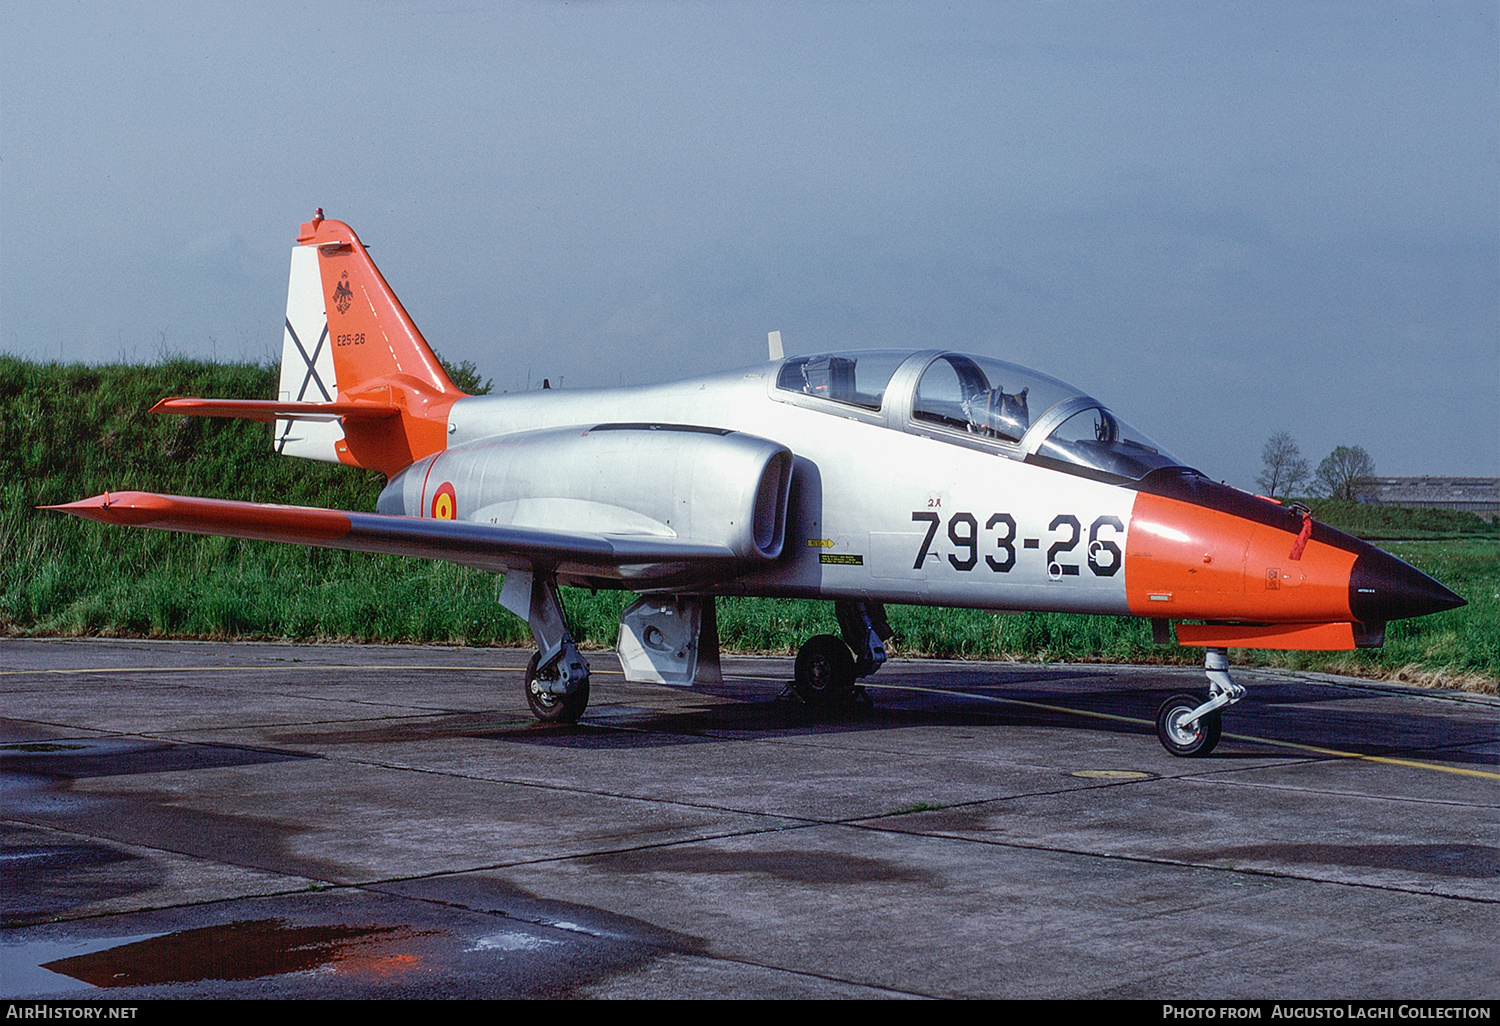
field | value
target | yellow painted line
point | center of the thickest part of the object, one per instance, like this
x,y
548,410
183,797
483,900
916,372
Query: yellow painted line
x,y
1334,752
1017,701
1388,760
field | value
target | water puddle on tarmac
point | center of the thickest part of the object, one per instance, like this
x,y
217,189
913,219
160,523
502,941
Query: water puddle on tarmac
x,y
245,950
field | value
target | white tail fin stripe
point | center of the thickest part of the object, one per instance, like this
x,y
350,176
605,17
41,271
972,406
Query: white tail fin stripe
x,y
303,372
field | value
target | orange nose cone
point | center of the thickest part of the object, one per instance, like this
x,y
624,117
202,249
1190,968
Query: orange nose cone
x,y
1188,561
1201,550
1262,575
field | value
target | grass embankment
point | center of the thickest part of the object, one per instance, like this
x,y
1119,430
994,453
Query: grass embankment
x,y
1392,523
68,432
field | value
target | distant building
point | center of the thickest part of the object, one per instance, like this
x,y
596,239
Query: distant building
x,y
1475,494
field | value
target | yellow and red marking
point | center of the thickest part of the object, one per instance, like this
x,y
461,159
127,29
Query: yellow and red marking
x,y
445,503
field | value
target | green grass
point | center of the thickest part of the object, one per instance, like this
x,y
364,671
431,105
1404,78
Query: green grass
x,y
70,431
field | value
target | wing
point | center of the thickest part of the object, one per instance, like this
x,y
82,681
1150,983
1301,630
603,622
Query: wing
x,y
484,546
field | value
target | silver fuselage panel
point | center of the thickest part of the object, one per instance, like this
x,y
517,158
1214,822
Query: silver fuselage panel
x,y
883,503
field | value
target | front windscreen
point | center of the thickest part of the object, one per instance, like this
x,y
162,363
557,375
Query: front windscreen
x,y
1094,439
1032,415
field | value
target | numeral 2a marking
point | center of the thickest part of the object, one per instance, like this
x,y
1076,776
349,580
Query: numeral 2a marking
x,y
1055,567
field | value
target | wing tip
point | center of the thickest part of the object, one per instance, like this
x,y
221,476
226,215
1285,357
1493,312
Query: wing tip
x,y
116,507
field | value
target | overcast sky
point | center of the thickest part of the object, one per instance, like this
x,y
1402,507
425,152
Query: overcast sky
x,y
1222,219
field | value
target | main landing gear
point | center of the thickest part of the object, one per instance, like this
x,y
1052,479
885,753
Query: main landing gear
x,y
828,666
557,678
1189,725
546,704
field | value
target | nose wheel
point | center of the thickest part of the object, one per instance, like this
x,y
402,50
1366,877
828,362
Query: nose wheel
x,y
1183,732
1189,725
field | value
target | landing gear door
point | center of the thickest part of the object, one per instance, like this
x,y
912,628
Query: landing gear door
x,y
670,640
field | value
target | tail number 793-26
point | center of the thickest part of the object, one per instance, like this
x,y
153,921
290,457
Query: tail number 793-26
x,y
998,541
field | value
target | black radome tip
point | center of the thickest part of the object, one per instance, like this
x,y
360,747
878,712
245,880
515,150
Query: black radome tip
x,y
1382,587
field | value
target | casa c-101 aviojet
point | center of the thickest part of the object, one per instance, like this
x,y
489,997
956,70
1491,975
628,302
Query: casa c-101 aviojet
x,y
872,477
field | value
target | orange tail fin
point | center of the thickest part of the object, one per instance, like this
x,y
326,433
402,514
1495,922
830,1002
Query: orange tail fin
x,y
379,356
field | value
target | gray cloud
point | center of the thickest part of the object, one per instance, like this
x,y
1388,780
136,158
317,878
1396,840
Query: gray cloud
x,y
1225,220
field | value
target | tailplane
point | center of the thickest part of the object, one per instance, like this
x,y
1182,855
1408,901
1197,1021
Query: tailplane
x,y
359,385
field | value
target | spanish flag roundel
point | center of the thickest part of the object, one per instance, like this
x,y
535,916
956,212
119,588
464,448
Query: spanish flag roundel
x,y
445,503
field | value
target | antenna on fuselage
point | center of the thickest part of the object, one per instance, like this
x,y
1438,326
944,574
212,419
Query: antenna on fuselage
x,y
773,343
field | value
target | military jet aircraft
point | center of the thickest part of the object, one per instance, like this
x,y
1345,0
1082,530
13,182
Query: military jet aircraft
x,y
864,478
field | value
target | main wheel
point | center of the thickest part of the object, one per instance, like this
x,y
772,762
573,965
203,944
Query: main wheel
x,y
1183,736
825,670
546,706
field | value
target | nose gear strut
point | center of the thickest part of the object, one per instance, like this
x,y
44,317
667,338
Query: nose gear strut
x,y
1188,725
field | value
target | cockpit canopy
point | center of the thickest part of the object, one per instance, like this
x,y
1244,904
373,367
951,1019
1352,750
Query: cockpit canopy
x,y
980,402
855,379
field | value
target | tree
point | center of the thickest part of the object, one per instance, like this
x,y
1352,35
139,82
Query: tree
x,y
466,376
1285,469
1341,473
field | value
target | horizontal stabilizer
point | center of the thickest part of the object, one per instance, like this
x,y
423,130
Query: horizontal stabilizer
x,y
484,546
268,410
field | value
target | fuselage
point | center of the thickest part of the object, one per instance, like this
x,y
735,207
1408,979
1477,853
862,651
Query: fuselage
x,y
908,487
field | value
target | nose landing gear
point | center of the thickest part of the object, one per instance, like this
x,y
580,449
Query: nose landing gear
x,y
1189,725
1182,731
